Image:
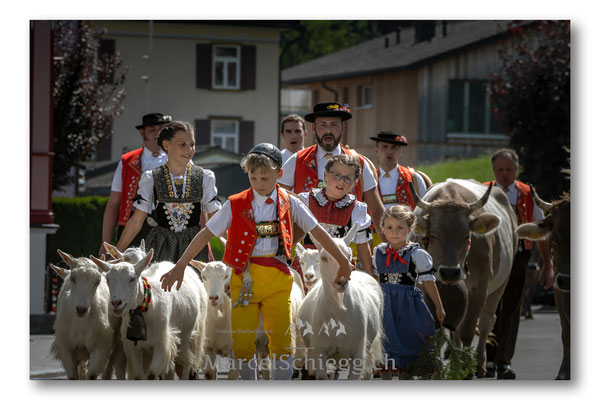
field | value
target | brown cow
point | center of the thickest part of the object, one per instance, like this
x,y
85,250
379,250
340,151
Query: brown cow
x,y
557,227
472,239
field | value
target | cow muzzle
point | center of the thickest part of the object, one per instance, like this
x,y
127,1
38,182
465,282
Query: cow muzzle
x,y
562,282
450,275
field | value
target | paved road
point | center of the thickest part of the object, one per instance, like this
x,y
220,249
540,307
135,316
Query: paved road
x,y
537,356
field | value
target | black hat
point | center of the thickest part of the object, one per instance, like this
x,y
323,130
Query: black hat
x,y
390,137
329,110
154,119
268,150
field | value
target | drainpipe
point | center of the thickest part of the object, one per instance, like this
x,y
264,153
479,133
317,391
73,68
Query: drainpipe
x,y
335,93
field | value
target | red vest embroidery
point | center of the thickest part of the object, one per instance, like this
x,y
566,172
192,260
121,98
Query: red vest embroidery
x,y
306,173
242,236
329,213
524,207
403,194
130,177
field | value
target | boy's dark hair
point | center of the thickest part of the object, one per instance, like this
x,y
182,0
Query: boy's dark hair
x,y
346,160
168,131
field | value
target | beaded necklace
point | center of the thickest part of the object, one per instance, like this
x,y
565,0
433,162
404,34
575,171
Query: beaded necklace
x,y
171,183
147,298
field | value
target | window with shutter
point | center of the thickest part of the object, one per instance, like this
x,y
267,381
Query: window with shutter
x,y
226,67
225,134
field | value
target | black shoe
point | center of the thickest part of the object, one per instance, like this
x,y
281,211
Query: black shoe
x,y
506,372
490,370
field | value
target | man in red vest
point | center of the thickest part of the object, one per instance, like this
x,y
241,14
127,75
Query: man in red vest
x,y
393,178
125,181
305,169
505,163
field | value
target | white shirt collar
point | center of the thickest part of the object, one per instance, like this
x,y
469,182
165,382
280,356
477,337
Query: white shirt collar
x,y
321,153
148,153
393,173
260,199
511,188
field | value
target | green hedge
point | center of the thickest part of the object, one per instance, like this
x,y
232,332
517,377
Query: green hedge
x,y
479,168
80,232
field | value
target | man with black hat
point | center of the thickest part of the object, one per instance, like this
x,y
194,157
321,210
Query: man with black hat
x,y
393,178
125,181
305,169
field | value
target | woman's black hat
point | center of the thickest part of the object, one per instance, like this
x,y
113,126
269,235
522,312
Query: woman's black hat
x,y
329,110
154,119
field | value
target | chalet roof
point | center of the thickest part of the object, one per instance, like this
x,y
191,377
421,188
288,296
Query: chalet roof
x,y
372,57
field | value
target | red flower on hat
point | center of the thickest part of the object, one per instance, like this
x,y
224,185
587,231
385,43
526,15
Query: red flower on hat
x,y
400,139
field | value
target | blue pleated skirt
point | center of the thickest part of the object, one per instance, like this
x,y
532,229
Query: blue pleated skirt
x,y
407,321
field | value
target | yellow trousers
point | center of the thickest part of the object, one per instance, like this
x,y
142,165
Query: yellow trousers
x,y
271,290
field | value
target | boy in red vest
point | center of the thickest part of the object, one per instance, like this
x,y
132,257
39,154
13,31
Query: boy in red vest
x,y
505,163
259,223
127,176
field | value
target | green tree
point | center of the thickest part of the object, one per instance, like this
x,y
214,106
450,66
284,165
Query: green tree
x,y
87,93
531,101
316,38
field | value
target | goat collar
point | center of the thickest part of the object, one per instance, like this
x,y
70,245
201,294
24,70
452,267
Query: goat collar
x,y
147,298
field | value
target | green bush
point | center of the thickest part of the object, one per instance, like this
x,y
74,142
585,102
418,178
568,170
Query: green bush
x,y
80,232
479,168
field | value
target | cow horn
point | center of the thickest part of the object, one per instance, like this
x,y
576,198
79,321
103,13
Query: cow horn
x,y
418,201
481,202
541,203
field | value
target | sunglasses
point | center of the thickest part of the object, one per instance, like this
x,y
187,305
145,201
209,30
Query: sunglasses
x,y
347,179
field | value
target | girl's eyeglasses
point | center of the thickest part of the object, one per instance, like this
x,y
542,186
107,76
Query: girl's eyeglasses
x,y
347,179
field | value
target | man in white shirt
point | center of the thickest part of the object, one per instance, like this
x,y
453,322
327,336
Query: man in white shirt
x,y
292,133
505,163
305,169
393,178
125,181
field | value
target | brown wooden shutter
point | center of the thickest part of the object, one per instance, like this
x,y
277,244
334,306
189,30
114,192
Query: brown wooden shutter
x,y
202,127
203,66
246,138
248,65
359,96
315,96
345,95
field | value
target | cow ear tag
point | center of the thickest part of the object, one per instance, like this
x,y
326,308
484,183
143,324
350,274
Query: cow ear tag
x,y
137,328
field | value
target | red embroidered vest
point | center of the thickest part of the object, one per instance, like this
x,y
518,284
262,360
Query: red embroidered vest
x,y
524,207
403,194
306,173
329,213
242,236
130,177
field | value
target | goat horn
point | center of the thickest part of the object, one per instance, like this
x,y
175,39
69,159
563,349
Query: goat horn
x,y
418,201
541,203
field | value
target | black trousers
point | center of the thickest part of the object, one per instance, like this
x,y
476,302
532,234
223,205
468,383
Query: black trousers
x,y
508,313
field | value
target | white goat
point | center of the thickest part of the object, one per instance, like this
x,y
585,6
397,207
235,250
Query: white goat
x,y
131,255
84,329
174,320
309,263
218,340
347,323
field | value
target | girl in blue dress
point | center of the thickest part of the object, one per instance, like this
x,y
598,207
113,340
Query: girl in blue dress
x,y
400,265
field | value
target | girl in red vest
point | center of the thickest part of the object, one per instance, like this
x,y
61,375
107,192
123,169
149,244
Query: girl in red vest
x,y
337,209
174,195
259,223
